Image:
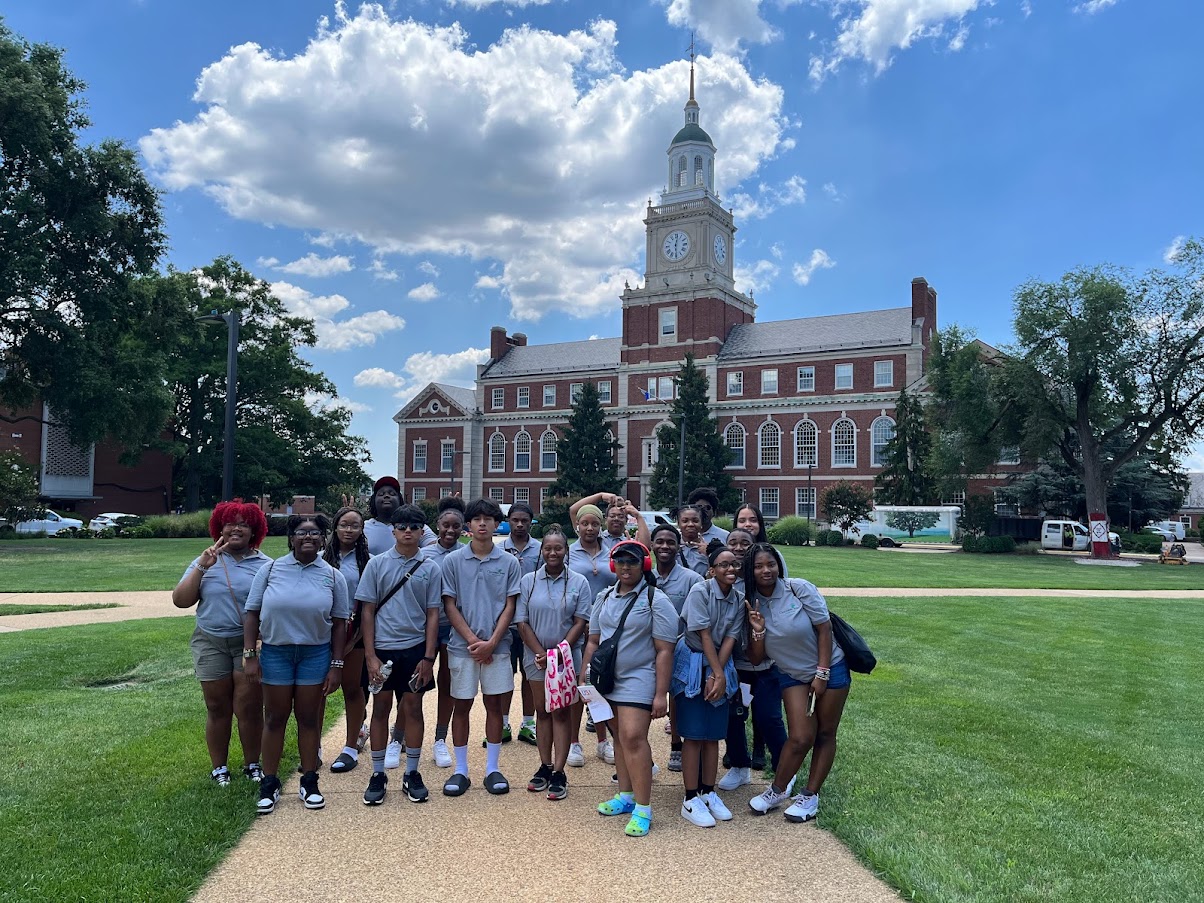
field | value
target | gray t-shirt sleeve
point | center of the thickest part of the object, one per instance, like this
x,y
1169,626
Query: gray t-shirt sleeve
x,y
697,610
340,606
514,576
664,618
595,611
434,586
258,585
813,602
525,588
369,585
451,576
579,588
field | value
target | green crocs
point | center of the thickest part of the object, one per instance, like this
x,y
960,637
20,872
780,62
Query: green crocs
x,y
638,826
616,805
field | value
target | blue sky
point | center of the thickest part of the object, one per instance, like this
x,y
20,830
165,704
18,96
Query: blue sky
x,y
413,173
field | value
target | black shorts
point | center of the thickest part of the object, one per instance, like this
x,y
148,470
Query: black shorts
x,y
405,661
516,651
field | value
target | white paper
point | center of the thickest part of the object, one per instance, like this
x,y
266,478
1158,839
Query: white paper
x,y
746,693
599,708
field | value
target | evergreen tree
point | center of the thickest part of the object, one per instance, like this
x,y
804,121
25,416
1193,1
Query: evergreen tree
x,y
906,478
706,454
587,456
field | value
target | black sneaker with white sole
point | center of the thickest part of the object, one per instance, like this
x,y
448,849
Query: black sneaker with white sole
x,y
309,793
415,789
558,786
220,776
269,792
377,787
253,772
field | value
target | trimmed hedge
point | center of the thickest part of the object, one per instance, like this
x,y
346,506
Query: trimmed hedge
x,y
835,538
991,545
870,541
792,531
180,526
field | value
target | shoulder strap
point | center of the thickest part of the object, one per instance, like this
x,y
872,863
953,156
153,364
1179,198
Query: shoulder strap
x,y
402,582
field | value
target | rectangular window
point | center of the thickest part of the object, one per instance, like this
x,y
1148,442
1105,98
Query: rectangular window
x,y
668,325
604,392
524,396
804,502
418,493
497,493
447,456
652,453
420,456
665,388
499,398
769,382
884,374
543,496
959,498
806,379
769,502
497,452
444,492
549,396
844,376
522,494
1009,455
735,383
574,392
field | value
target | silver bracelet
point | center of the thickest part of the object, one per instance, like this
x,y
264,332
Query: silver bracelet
x,y
823,673
336,663
758,636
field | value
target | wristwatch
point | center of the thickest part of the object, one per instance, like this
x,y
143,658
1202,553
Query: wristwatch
x,y
250,653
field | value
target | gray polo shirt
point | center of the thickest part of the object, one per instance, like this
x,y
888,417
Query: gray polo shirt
x,y
220,605
635,663
791,613
350,569
298,603
677,585
528,558
380,536
549,605
594,568
694,560
401,621
609,540
480,588
713,532
437,553
706,609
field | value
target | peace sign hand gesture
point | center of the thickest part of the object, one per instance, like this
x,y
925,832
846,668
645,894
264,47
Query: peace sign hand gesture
x,y
209,556
756,620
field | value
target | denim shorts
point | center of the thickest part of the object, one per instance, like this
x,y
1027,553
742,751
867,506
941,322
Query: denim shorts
x,y
294,666
840,678
444,634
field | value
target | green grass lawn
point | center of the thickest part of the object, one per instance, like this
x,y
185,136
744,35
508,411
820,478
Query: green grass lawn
x,y
12,608
1025,749
105,777
63,565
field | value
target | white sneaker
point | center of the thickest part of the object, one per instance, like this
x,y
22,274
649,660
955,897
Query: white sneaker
x,y
696,813
576,757
393,754
443,756
804,809
606,751
716,807
735,779
768,801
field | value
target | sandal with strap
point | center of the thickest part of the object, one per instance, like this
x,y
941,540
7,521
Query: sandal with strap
x,y
344,762
638,826
616,805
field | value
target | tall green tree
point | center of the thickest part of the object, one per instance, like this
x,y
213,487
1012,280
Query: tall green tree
x,y
18,488
78,224
1106,364
706,455
587,455
291,436
845,503
905,479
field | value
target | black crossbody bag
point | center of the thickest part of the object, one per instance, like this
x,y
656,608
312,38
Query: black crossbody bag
x,y
602,665
359,628
857,654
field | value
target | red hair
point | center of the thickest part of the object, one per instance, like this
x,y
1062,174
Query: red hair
x,y
236,512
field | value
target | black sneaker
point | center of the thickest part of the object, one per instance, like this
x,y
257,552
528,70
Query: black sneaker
x,y
415,789
269,792
539,782
375,794
558,786
758,762
309,793
253,772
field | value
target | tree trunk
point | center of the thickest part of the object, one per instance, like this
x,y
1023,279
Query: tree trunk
x,y
192,479
1096,475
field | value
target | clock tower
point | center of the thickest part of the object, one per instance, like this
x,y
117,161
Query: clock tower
x,y
689,300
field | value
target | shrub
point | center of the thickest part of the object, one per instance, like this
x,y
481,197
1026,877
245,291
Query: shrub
x,y
970,543
180,526
792,531
850,541
821,537
139,532
1027,548
1003,545
106,533
835,538
724,523
430,507
278,524
870,541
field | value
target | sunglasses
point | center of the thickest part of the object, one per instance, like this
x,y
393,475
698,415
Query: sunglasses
x,y
404,527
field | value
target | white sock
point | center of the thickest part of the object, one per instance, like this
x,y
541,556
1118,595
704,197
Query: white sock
x,y
461,759
351,751
505,721
492,752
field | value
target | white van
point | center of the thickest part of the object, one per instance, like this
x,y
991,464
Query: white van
x,y
1169,530
1067,535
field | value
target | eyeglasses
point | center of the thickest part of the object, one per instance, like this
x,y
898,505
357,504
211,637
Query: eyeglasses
x,y
307,533
726,564
404,527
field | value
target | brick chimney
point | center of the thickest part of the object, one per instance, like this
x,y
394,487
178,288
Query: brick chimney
x,y
923,307
519,339
498,346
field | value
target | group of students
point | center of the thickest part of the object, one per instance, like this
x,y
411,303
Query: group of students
x,y
705,627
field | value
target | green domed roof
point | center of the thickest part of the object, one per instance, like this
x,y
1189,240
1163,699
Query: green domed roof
x,y
691,131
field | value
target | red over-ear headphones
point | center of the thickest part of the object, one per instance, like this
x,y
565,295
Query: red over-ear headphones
x,y
647,556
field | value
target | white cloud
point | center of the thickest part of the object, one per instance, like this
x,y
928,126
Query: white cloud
x,y
833,192
768,199
313,265
429,268
1026,7
268,262
380,271
755,277
481,4
724,24
1091,7
879,27
457,369
487,282
343,138
320,401
802,272
958,41
425,292
340,335
1172,251
776,250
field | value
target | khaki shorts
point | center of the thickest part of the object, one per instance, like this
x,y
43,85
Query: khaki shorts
x,y
215,657
467,676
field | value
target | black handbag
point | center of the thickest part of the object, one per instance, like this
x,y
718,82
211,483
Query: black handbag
x,y
603,663
857,654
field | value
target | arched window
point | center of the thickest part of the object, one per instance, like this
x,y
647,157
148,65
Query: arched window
x,y
769,445
806,444
733,437
681,171
547,451
698,171
844,443
497,452
522,451
711,174
610,442
882,431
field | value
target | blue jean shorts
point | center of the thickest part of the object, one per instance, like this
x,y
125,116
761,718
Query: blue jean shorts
x,y
444,634
839,679
294,666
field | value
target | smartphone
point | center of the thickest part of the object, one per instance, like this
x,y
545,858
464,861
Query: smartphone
x,y
811,707
416,683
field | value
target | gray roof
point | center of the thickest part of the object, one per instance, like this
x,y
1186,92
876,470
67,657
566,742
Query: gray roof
x,y
465,398
868,329
560,357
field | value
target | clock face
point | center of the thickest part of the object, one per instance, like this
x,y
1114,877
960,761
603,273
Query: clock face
x,y
720,249
676,246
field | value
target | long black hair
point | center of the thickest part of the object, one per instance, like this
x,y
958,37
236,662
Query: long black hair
x,y
760,534
750,560
332,554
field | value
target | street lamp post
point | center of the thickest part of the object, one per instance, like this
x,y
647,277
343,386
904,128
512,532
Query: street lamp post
x,y
231,319
452,478
810,492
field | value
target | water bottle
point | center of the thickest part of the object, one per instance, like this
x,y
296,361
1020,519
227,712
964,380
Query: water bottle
x,y
374,686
